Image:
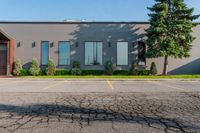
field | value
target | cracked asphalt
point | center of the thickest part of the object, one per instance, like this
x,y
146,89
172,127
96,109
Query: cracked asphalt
x,y
73,106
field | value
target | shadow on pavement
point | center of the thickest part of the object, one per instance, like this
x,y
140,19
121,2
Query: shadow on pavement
x,y
88,115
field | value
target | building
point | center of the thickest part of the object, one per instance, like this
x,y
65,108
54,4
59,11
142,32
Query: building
x,y
92,43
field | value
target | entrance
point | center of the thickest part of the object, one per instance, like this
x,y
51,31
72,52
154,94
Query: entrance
x,y
3,58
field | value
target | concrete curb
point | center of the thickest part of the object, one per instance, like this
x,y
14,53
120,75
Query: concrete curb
x,y
97,79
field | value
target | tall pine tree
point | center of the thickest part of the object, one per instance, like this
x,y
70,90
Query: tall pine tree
x,y
170,31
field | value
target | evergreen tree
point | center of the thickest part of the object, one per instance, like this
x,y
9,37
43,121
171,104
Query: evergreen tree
x,y
170,31
153,69
35,68
51,69
17,67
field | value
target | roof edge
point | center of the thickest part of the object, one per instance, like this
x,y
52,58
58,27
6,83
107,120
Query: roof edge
x,y
6,35
74,22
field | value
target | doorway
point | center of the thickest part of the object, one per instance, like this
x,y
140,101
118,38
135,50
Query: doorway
x,y
3,59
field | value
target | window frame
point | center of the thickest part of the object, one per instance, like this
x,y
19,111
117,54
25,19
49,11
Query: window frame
x,y
101,55
41,53
59,54
127,52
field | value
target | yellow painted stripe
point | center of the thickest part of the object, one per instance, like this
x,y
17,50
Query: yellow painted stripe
x,y
169,86
110,85
54,85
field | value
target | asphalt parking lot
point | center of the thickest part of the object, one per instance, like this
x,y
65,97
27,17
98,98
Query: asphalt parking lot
x,y
99,106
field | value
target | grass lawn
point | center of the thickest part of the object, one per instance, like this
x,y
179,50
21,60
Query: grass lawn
x,y
120,77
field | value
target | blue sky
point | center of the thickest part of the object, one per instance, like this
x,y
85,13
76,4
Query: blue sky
x,y
95,10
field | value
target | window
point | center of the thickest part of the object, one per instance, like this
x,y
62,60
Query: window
x,y
122,53
141,53
93,53
45,53
64,53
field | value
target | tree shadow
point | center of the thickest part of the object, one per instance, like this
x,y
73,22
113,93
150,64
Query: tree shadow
x,y
189,68
88,115
109,34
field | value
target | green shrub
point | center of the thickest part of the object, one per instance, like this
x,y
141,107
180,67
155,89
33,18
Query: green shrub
x,y
51,69
143,72
92,72
76,68
35,68
76,64
134,69
17,67
121,72
153,69
42,73
24,72
96,63
63,72
109,68
76,71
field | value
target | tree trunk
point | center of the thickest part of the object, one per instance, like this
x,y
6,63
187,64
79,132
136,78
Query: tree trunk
x,y
165,66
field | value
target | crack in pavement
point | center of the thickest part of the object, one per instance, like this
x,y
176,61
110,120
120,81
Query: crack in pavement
x,y
166,112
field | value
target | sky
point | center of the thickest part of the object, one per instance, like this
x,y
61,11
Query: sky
x,y
91,10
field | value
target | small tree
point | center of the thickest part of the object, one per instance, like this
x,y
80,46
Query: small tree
x,y
134,69
76,68
76,64
109,68
35,68
51,69
17,67
153,69
170,31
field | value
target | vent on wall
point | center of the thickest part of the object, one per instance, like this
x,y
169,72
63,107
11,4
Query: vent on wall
x,y
18,44
52,44
76,44
33,44
109,44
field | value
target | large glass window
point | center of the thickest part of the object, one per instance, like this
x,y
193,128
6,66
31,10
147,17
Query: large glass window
x,y
122,53
45,53
64,53
93,53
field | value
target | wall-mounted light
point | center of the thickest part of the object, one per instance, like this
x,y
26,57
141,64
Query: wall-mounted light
x,y
52,44
76,44
109,44
133,44
18,44
33,44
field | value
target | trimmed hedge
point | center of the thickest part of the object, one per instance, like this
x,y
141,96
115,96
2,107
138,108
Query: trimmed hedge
x,y
92,72
42,73
143,72
25,72
121,72
63,72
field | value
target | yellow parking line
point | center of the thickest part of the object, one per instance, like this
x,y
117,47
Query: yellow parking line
x,y
110,85
169,86
54,85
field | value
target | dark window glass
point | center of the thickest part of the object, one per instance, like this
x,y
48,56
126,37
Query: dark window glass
x,y
141,53
64,51
45,53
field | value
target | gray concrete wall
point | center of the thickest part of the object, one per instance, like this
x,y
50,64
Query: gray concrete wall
x,y
27,33
189,65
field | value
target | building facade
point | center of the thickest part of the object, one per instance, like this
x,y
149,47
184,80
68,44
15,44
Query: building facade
x,y
91,43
